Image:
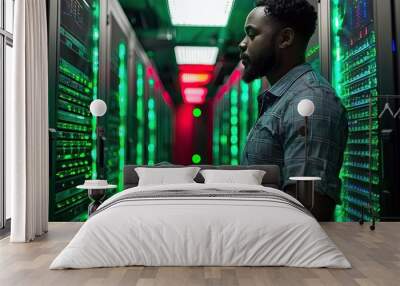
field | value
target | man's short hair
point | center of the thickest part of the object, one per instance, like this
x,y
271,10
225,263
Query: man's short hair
x,y
300,15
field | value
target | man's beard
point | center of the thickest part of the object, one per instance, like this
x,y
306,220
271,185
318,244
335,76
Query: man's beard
x,y
258,69
249,74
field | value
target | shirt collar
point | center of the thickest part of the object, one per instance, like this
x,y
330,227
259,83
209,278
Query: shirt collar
x,y
285,82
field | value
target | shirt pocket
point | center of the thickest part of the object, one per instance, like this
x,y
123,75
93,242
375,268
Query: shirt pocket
x,y
263,142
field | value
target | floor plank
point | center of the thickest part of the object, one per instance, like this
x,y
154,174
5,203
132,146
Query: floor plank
x,y
375,257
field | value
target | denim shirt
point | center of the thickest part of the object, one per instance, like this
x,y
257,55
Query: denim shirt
x,y
275,137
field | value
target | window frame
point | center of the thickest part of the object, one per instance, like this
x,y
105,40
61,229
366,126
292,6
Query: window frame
x,y
6,39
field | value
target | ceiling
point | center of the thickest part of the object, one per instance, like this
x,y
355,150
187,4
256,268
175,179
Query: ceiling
x,y
151,21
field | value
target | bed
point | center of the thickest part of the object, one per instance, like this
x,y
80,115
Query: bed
x,y
197,224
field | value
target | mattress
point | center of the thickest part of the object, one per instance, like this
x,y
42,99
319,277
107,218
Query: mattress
x,y
201,225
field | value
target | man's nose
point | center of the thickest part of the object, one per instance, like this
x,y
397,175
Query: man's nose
x,y
243,46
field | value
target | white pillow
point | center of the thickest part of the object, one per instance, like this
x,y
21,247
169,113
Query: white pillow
x,y
165,176
248,177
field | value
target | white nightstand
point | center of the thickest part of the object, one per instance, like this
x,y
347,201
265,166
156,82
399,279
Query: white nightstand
x,y
308,186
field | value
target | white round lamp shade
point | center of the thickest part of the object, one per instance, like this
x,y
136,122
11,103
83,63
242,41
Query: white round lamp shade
x,y
98,107
305,107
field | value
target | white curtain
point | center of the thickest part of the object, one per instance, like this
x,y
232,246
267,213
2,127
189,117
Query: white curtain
x,y
27,124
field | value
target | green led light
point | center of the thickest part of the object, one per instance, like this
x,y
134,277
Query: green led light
x,y
196,159
216,142
234,120
152,126
140,115
83,217
139,149
234,150
123,106
234,110
234,140
312,51
151,104
234,130
257,85
197,112
255,90
224,139
245,93
152,117
244,113
234,96
96,34
151,148
312,57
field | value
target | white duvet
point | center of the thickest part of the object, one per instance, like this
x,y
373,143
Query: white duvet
x,y
200,231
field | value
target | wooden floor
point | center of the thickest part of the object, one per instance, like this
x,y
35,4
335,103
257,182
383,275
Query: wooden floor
x,y
375,257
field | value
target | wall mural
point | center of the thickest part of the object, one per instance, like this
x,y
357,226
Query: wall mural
x,y
177,93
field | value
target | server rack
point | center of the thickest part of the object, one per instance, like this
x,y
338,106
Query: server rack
x,y
164,129
359,60
158,135
164,132
149,127
73,40
131,109
153,115
137,111
140,112
117,32
393,212
93,53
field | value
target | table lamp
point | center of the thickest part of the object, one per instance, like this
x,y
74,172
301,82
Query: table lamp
x,y
98,108
306,109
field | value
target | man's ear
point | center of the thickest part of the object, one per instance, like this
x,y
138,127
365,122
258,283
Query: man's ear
x,y
286,38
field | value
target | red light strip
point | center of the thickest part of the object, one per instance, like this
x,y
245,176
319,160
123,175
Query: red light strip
x,y
196,68
194,99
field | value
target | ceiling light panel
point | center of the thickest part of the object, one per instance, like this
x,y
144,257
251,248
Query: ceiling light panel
x,y
195,91
194,99
195,78
187,55
204,13
196,68
195,95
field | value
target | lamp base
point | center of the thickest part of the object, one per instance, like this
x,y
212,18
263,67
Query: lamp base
x,y
97,196
305,193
